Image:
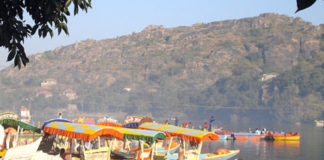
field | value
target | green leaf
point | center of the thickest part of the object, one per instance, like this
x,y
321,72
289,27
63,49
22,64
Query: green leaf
x,y
51,33
67,4
17,61
59,29
12,54
76,7
64,26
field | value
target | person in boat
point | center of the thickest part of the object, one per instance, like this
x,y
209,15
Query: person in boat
x,y
166,122
205,125
60,115
64,155
211,123
264,130
257,131
176,121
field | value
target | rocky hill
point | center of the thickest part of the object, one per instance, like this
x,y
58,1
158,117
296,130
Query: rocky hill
x,y
272,64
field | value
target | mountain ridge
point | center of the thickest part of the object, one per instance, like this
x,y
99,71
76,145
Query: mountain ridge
x,y
171,68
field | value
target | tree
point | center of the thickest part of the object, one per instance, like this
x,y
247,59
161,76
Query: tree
x,y
47,15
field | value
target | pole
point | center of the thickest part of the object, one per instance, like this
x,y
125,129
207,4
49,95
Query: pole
x,y
142,150
199,150
169,145
153,149
184,148
98,142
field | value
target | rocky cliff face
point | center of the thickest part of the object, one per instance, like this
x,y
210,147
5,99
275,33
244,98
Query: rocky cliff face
x,y
158,65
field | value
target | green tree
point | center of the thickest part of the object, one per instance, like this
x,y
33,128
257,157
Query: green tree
x,y
47,15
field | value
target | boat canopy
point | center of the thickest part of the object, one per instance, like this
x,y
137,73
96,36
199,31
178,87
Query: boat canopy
x,y
139,134
187,134
88,132
85,132
9,119
55,120
131,125
111,124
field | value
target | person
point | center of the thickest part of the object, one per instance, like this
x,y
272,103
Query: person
x,y
264,130
176,121
257,131
64,155
211,123
166,122
60,115
205,126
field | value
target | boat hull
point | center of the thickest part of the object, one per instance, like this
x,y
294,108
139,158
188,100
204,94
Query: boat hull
x,y
164,150
207,156
224,136
247,136
286,138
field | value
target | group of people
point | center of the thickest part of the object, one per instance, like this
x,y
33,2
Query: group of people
x,y
264,130
207,126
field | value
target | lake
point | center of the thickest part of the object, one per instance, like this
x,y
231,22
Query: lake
x,y
310,146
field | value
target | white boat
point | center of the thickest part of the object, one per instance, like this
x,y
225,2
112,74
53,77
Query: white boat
x,y
319,123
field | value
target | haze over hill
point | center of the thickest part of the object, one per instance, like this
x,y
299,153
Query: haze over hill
x,y
270,66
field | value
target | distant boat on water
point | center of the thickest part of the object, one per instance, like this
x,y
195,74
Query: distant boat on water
x,y
319,123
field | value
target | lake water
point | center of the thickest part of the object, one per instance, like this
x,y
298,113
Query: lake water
x,y
310,146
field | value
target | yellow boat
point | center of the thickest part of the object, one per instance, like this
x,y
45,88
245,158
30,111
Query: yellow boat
x,y
287,138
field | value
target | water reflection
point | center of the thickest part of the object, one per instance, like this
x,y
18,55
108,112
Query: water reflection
x,y
310,146
263,150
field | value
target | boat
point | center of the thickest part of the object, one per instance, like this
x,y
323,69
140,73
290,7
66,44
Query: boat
x,y
160,148
292,136
86,141
163,150
195,137
29,152
319,123
13,132
247,136
223,135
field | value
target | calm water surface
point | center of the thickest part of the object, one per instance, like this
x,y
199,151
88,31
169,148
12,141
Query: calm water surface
x,y
310,146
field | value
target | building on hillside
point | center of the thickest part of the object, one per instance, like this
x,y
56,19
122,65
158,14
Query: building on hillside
x,y
48,82
267,77
46,94
70,94
25,115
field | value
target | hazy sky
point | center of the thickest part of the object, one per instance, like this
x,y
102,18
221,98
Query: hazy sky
x,y
108,19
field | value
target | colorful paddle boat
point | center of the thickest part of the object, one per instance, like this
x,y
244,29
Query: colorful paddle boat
x,y
85,140
12,132
194,137
160,148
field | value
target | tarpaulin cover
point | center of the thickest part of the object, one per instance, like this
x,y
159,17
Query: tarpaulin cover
x,y
81,131
14,123
131,125
138,134
111,124
192,135
55,120
89,132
